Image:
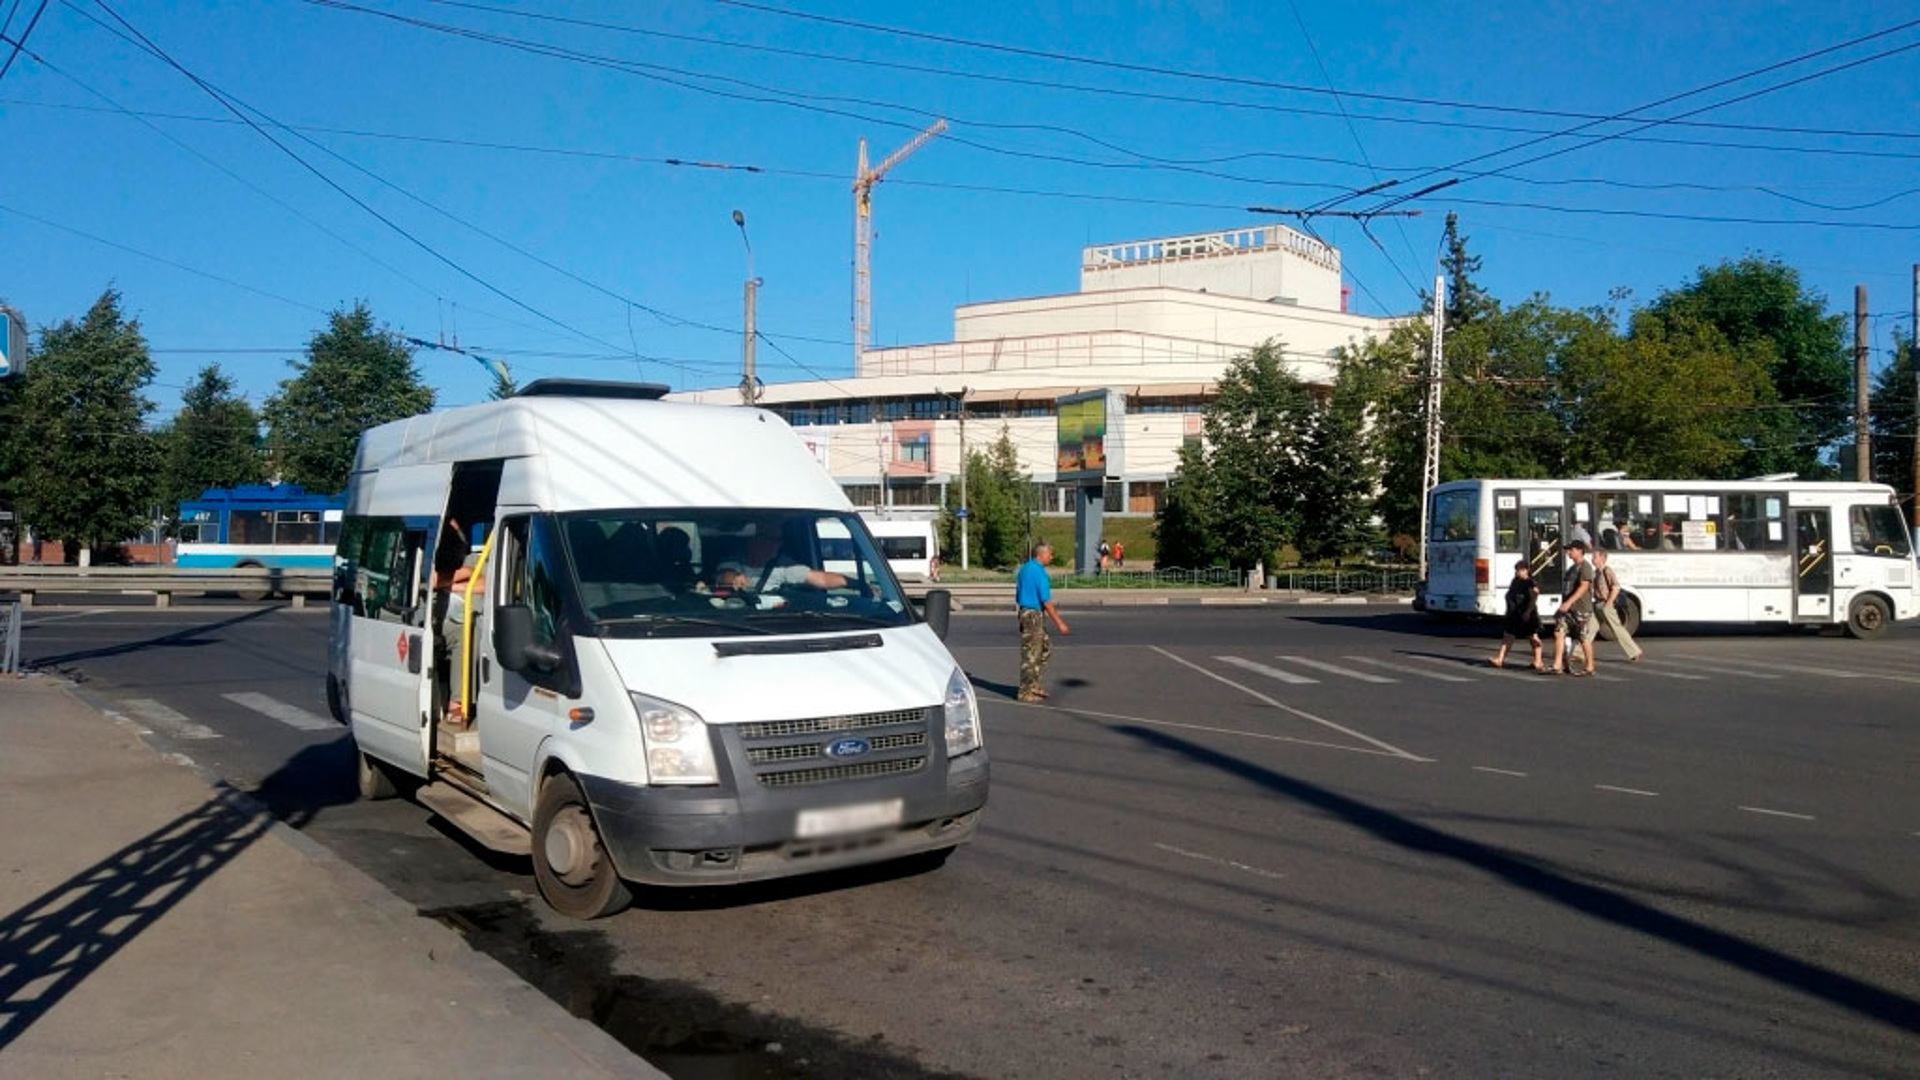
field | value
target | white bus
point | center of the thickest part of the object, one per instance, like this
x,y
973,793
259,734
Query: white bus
x,y
1771,550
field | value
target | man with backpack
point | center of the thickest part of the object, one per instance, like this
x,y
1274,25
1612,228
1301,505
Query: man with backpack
x,y
1606,592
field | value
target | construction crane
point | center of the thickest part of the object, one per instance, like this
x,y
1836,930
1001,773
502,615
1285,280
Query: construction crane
x,y
864,179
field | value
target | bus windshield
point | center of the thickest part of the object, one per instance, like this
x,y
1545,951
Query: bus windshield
x,y
701,572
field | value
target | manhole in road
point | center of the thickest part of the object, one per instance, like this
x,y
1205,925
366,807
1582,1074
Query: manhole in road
x,y
679,1028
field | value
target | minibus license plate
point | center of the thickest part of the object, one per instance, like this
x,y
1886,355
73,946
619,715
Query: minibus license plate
x,y
837,820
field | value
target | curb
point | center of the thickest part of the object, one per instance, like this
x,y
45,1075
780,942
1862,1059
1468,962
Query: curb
x,y
1068,599
583,1042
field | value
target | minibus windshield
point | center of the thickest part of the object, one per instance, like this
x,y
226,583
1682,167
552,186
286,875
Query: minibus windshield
x,y
707,572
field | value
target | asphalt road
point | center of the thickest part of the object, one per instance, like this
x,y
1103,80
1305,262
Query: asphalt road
x,y
1316,841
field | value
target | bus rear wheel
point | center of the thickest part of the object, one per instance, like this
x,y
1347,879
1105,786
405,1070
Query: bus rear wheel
x,y
575,874
1629,611
252,594
1868,617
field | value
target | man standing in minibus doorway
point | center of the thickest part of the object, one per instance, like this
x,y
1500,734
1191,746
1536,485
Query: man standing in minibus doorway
x,y
1033,593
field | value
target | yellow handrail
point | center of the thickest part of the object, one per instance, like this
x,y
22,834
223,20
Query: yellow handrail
x,y
466,628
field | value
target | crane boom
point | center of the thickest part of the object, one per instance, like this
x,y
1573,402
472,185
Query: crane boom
x,y
864,179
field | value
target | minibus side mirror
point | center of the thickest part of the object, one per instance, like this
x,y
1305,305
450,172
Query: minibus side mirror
x,y
939,610
513,641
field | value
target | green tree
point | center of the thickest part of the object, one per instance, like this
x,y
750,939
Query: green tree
x,y
1758,301
89,478
996,519
1185,532
1255,430
213,441
1892,406
1671,399
355,376
1341,470
1467,302
504,385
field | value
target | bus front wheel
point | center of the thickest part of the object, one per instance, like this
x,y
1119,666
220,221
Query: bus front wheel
x,y
570,864
1868,617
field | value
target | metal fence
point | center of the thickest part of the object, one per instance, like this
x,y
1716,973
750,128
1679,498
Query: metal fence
x,y
1338,582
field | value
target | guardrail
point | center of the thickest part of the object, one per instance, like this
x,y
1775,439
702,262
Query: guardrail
x,y
163,582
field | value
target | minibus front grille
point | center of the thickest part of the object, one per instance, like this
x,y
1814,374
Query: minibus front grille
x,y
828,725
791,752
835,773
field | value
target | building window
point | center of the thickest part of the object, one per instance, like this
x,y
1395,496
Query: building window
x,y
917,449
862,494
1115,500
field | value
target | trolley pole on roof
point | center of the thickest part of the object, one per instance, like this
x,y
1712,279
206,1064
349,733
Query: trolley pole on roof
x,y
1430,469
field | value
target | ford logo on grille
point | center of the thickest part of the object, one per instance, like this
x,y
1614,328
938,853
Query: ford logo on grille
x,y
848,748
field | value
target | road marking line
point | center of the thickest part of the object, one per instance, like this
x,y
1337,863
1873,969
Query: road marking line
x,y
1269,672
1672,674
1405,670
1626,790
1777,813
1502,772
1301,713
30,624
1524,674
167,720
1336,669
1718,670
1269,737
1808,669
291,715
1218,861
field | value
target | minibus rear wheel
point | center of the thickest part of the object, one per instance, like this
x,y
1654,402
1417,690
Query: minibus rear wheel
x,y
1868,617
570,864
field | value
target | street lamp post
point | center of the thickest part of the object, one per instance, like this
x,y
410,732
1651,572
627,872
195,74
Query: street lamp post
x,y
966,464
749,382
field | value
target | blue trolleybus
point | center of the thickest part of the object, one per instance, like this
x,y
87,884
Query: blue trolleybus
x,y
279,526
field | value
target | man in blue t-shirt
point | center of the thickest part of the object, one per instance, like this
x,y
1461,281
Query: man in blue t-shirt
x,y
1033,594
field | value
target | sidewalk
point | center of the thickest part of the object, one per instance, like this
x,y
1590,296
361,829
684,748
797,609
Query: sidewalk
x,y
996,597
152,925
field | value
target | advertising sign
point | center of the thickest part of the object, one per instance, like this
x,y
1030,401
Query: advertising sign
x,y
1081,444
13,343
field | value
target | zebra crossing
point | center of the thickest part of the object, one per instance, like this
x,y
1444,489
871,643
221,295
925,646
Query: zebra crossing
x,y
1412,667
169,721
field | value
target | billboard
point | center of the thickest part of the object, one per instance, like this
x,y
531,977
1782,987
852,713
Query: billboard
x,y
13,343
1080,448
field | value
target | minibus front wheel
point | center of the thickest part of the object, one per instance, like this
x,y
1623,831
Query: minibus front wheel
x,y
575,874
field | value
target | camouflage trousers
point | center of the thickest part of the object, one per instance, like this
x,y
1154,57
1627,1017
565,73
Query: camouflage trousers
x,y
1035,649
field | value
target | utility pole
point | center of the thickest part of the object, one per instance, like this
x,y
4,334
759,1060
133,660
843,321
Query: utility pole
x,y
1862,447
864,179
966,463
1430,470
749,382
1913,361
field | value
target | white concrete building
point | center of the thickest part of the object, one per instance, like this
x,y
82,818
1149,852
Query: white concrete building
x,y
1158,320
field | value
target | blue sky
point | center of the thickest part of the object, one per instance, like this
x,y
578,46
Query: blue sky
x,y
220,199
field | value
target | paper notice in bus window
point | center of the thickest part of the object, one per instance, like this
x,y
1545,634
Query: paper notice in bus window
x,y
1713,506
1773,529
1696,506
1580,511
1773,510
1505,502
1646,504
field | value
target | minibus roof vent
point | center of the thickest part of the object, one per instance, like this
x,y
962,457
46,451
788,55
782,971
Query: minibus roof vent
x,y
1772,477
593,388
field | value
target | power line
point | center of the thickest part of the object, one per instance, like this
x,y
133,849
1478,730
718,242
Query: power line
x,y
1669,99
233,105
24,35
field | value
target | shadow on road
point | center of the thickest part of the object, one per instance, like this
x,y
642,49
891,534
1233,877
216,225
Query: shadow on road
x,y
51,944
1606,905
191,637
677,1026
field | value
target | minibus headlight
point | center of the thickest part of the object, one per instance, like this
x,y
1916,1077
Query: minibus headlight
x,y
963,716
679,750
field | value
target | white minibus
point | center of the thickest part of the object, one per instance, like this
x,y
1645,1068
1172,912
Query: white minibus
x,y
600,629
1769,550
909,545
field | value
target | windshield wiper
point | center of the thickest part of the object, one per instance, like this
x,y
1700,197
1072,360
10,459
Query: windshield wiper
x,y
816,613
731,625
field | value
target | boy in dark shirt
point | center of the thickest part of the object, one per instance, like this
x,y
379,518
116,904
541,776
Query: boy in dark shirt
x,y
1523,616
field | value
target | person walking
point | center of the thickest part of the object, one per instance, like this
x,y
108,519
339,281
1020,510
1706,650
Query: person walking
x,y
1606,592
1522,618
1033,594
1119,554
1574,618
